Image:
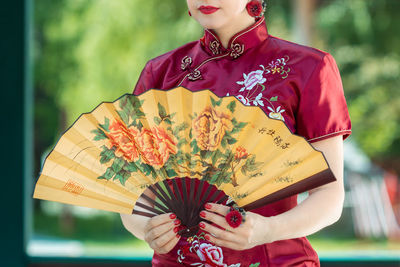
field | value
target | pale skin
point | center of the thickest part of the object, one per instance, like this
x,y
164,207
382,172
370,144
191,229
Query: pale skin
x,y
322,207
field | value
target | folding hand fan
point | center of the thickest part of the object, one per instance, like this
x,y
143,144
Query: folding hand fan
x,y
177,150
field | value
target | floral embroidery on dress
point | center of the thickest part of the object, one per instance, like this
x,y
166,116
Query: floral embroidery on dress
x,y
208,254
253,86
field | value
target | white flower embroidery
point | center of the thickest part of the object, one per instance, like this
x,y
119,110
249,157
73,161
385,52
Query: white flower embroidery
x,y
254,90
251,80
244,100
258,100
276,114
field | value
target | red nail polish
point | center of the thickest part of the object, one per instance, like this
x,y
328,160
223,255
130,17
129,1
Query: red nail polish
x,y
208,206
207,237
202,225
172,216
176,229
202,214
178,236
177,222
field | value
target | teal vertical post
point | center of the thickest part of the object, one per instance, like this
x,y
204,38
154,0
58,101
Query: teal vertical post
x,y
12,82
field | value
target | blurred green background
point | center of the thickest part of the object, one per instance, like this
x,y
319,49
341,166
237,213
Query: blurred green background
x,y
89,51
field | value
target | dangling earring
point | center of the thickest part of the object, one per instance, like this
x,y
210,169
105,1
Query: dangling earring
x,y
190,14
255,8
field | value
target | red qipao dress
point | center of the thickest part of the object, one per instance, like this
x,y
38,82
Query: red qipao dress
x,y
297,84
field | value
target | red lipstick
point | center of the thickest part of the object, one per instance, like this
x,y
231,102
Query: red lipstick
x,y
208,9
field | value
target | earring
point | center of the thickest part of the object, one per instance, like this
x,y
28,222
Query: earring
x,y
190,14
255,8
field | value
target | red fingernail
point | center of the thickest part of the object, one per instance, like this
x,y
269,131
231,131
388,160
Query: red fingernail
x,y
208,206
176,229
178,236
177,222
172,216
202,225
202,214
207,237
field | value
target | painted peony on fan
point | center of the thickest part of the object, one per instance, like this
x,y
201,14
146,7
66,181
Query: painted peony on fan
x,y
177,150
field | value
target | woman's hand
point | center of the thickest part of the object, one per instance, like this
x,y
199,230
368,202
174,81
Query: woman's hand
x,y
161,233
253,232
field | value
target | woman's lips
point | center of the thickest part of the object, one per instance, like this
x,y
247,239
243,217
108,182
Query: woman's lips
x,y
208,9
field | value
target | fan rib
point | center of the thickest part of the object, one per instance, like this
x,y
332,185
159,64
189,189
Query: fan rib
x,y
205,196
169,203
222,200
144,206
197,207
185,199
214,196
172,198
191,199
164,201
161,207
142,213
176,188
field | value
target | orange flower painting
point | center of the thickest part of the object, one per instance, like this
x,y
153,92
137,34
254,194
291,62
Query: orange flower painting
x,y
160,146
156,145
124,140
209,128
240,153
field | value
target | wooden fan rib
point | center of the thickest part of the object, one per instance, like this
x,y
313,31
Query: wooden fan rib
x,y
312,182
149,208
169,203
185,199
174,200
222,199
143,213
204,198
191,204
155,203
161,198
197,205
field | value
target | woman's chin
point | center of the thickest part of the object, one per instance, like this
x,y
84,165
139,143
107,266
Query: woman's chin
x,y
209,23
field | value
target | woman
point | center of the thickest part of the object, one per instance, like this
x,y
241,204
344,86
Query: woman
x,y
297,84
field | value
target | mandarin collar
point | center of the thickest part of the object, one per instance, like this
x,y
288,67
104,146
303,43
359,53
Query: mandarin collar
x,y
239,43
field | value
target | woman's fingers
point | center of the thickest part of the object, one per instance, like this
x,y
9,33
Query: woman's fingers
x,y
160,230
159,220
216,213
217,208
165,242
217,232
222,243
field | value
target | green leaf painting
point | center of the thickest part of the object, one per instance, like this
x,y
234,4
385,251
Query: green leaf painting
x,y
167,150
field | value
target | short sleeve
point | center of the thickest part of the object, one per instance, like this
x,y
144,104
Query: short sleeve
x,y
145,81
322,111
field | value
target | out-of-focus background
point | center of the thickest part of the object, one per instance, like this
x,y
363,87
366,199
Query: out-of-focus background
x,y
88,51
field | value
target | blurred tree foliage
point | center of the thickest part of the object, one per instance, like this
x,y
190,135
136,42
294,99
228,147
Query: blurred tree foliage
x,y
363,35
88,51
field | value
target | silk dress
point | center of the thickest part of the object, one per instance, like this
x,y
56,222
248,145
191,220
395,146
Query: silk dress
x,y
296,84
